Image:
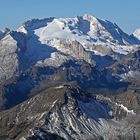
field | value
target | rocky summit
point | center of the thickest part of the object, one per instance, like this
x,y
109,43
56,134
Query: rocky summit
x,y
69,79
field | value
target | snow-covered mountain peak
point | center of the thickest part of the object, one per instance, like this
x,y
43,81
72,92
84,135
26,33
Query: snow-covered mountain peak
x,y
22,29
34,24
89,17
8,38
100,37
79,28
137,33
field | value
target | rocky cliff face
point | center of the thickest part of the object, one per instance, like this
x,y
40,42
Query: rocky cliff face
x,y
70,113
8,57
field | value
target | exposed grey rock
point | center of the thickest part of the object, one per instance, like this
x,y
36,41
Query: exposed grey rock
x,y
8,57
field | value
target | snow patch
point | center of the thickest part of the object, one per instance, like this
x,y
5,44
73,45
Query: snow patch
x,y
59,87
126,109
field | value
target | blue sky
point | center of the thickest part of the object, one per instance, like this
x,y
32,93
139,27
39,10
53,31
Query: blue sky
x,y
126,13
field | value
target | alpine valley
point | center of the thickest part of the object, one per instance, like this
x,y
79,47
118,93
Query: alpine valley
x,y
69,79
